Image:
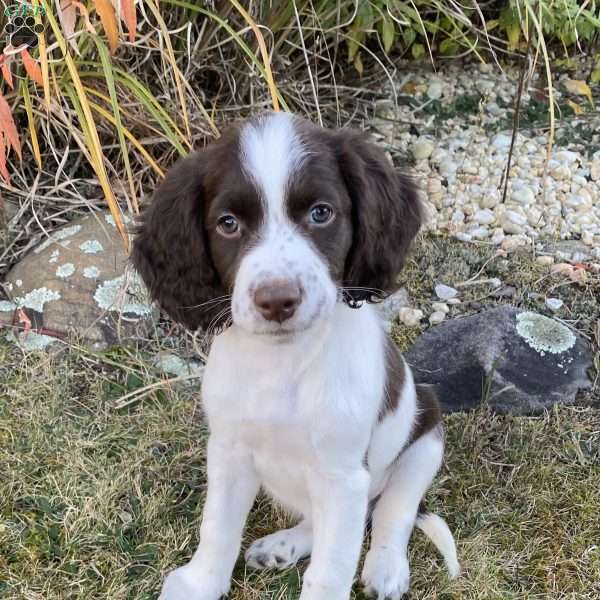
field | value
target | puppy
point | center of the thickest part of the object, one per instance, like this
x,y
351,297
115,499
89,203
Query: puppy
x,y
278,233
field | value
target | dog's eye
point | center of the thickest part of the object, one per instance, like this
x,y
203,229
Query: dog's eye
x,y
321,214
228,226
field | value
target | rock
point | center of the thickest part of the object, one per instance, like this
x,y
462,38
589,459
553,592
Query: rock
x,y
437,317
544,260
410,317
498,236
484,216
553,303
76,282
523,195
447,167
513,242
435,90
595,169
440,307
445,292
566,248
422,148
172,364
515,361
391,306
501,141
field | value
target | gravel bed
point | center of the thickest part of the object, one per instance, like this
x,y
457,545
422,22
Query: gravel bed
x,y
456,125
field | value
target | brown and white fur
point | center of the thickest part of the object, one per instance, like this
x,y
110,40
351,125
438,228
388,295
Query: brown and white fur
x,y
279,229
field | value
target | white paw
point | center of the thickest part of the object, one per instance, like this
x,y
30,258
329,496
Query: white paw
x,y
186,583
385,574
281,549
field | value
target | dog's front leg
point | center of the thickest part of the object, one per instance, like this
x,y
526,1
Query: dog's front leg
x,y
232,487
339,506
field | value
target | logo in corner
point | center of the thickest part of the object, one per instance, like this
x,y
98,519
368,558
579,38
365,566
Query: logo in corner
x,y
22,30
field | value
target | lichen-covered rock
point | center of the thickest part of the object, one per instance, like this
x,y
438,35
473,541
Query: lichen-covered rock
x,y
77,282
517,361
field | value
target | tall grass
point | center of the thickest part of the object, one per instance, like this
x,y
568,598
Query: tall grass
x,y
114,92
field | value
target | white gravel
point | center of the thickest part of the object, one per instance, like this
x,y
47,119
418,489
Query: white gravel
x,y
461,163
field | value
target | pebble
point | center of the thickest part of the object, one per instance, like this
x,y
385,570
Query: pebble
x,y
554,304
484,216
435,90
523,195
445,292
453,301
410,317
422,148
447,167
544,260
437,317
502,141
560,199
440,307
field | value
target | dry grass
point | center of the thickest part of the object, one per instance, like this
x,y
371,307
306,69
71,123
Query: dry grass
x,y
99,502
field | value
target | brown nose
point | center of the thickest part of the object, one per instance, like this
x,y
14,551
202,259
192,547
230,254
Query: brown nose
x,y
277,299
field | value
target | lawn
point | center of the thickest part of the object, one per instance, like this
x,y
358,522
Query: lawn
x,y
100,497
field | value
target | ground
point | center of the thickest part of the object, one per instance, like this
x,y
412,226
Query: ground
x,y
102,468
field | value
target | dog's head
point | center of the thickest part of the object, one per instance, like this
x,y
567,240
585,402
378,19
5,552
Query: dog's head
x,y
276,222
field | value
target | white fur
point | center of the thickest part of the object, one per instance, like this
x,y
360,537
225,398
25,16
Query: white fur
x,y
271,153
298,414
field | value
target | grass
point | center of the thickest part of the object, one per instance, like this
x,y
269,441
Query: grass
x,y
99,502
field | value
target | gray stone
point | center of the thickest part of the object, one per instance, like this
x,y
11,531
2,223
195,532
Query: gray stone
x,y
390,307
516,361
76,282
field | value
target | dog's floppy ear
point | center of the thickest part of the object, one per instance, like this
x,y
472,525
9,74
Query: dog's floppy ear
x,y
170,250
386,216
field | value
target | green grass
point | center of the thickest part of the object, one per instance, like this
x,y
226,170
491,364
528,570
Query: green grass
x,y
98,502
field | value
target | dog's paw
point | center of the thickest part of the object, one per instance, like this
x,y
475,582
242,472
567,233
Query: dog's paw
x,y
281,549
385,574
185,584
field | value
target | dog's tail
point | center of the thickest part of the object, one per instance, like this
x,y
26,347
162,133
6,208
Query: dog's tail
x,y
437,530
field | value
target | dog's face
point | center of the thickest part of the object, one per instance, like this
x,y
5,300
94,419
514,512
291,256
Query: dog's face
x,y
273,224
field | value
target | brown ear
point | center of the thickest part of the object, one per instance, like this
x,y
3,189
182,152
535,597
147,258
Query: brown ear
x,y
170,250
386,213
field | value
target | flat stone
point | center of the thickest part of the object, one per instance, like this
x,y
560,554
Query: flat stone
x,y
76,282
516,361
445,292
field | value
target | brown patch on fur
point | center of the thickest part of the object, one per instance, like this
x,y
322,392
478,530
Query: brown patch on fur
x,y
185,264
386,215
395,376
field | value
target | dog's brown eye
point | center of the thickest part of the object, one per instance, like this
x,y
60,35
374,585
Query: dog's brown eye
x,y
321,214
228,226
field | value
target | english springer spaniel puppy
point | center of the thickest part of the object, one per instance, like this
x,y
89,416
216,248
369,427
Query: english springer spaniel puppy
x,y
282,233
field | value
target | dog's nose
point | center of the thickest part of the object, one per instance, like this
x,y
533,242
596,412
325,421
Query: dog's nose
x,y
278,299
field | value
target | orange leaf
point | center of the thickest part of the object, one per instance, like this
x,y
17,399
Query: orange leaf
x,y
7,125
130,17
32,68
3,169
6,72
106,12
